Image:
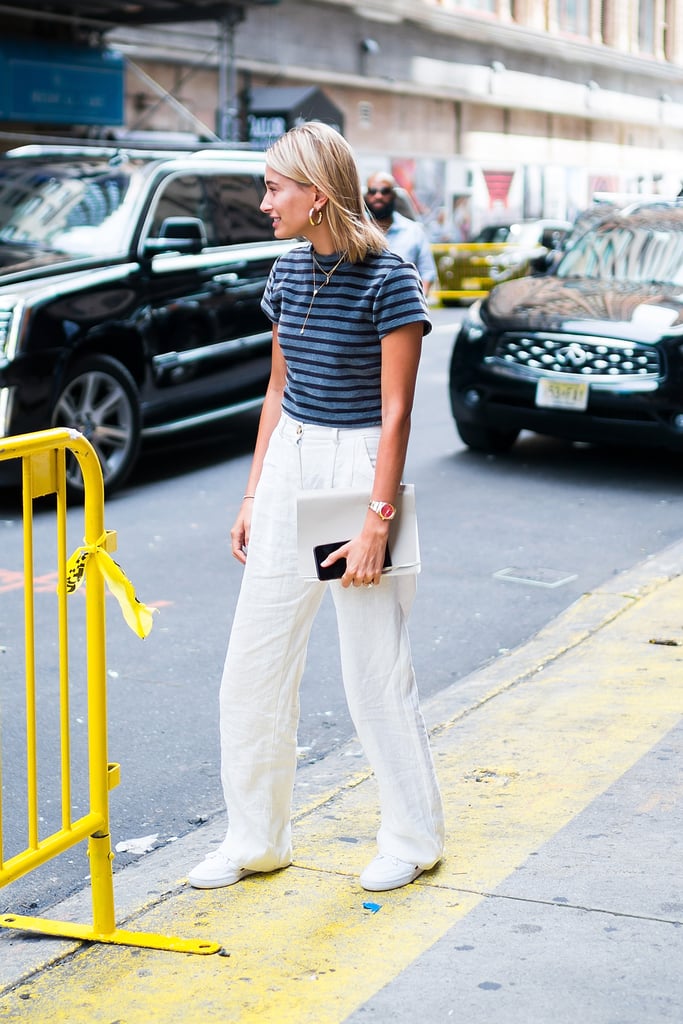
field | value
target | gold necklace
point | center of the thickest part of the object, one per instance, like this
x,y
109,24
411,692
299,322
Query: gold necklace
x,y
327,275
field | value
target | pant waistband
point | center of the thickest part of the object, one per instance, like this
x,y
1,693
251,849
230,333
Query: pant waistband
x,y
293,429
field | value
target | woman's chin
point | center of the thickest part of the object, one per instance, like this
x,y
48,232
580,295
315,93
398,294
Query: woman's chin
x,y
283,233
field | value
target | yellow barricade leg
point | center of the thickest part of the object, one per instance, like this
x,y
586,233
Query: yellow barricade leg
x,y
43,457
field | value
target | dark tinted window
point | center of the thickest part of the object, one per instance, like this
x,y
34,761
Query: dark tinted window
x,y
181,196
227,205
233,203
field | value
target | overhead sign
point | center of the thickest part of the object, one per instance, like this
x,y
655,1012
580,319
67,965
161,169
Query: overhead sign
x,y
60,84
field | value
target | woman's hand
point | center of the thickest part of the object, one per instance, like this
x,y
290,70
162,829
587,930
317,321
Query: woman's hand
x,y
239,535
364,556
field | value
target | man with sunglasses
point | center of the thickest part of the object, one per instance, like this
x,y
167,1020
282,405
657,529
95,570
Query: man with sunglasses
x,y
404,236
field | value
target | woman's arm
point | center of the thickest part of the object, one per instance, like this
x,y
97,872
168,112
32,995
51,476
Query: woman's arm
x,y
400,359
270,416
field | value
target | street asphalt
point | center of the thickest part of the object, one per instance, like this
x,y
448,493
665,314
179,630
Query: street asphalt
x,y
560,898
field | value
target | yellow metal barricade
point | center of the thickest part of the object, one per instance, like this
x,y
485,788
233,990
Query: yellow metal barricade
x,y
469,270
43,459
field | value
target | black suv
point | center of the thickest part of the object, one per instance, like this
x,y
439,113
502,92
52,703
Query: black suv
x,y
591,352
130,287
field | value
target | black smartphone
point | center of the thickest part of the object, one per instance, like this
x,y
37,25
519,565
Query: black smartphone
x,y
338,568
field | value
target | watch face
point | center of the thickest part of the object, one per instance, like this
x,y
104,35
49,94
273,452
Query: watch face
x,y
386,510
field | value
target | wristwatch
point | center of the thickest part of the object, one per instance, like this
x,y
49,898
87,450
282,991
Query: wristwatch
x,y
384,509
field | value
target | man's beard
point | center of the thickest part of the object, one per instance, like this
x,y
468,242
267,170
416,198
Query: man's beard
x,y
385,211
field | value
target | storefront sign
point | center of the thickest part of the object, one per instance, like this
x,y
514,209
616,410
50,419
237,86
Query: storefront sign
x,y
60,85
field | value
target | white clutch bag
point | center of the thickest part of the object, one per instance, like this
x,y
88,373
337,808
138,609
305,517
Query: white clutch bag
x,y
331,517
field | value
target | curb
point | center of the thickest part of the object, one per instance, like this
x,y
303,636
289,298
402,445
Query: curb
x,y
158,876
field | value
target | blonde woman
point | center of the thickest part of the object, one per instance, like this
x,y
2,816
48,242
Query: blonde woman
x,y
348,320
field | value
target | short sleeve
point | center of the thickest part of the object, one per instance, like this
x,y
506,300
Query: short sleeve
x,y
272,295
400,300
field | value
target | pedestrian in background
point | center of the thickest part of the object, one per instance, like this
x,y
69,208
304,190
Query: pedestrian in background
x,y
348,320
406,237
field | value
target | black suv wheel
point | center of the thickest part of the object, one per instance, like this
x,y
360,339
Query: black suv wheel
x,y
100,400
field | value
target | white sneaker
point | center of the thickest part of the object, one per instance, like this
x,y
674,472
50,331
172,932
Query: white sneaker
x,y
385,872
215,871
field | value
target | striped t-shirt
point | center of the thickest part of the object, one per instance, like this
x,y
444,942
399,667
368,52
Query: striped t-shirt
x,y
334,366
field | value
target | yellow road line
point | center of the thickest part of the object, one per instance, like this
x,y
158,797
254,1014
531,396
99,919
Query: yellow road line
x,y
303,950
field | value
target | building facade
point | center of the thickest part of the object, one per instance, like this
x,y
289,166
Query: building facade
x,y
486,110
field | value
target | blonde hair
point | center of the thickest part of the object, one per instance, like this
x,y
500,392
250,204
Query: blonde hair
x,y
313,153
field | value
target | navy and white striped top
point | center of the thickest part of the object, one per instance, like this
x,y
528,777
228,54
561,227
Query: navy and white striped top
x,y
334,367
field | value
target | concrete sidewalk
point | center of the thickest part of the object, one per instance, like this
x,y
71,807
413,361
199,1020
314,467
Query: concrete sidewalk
x,y
560,897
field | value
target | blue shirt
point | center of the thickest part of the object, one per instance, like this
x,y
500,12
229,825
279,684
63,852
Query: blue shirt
x,y
334,365
409,239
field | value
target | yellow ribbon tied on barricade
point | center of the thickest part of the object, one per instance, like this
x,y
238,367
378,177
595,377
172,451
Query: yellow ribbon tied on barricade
x,y
139,616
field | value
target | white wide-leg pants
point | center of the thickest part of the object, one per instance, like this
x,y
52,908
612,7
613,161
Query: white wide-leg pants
x,y
259,700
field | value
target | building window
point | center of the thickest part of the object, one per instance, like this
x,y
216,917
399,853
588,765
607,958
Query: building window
x,y
573,16
490,6
647,16
365,114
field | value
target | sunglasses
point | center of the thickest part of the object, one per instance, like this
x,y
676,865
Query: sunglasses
x,y
379,191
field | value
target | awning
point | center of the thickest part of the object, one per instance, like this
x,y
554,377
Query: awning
x,y
109,13
273,110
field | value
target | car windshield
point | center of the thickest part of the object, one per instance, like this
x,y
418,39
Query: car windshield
x,y
492,234
75,208
639,248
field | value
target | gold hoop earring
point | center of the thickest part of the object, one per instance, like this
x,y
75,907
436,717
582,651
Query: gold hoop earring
x,y
311,218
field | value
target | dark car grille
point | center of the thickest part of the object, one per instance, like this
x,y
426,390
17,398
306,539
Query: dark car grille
x,y
589,357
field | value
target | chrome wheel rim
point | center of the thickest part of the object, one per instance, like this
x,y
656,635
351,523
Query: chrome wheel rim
x,y
97,405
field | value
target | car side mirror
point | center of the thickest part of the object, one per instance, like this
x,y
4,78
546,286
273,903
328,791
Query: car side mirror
x,y
178,234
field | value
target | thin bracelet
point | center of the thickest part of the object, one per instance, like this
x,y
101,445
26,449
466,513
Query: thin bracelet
x,y
245,496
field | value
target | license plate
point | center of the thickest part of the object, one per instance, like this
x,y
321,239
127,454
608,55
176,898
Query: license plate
x,y
471,284
562,394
